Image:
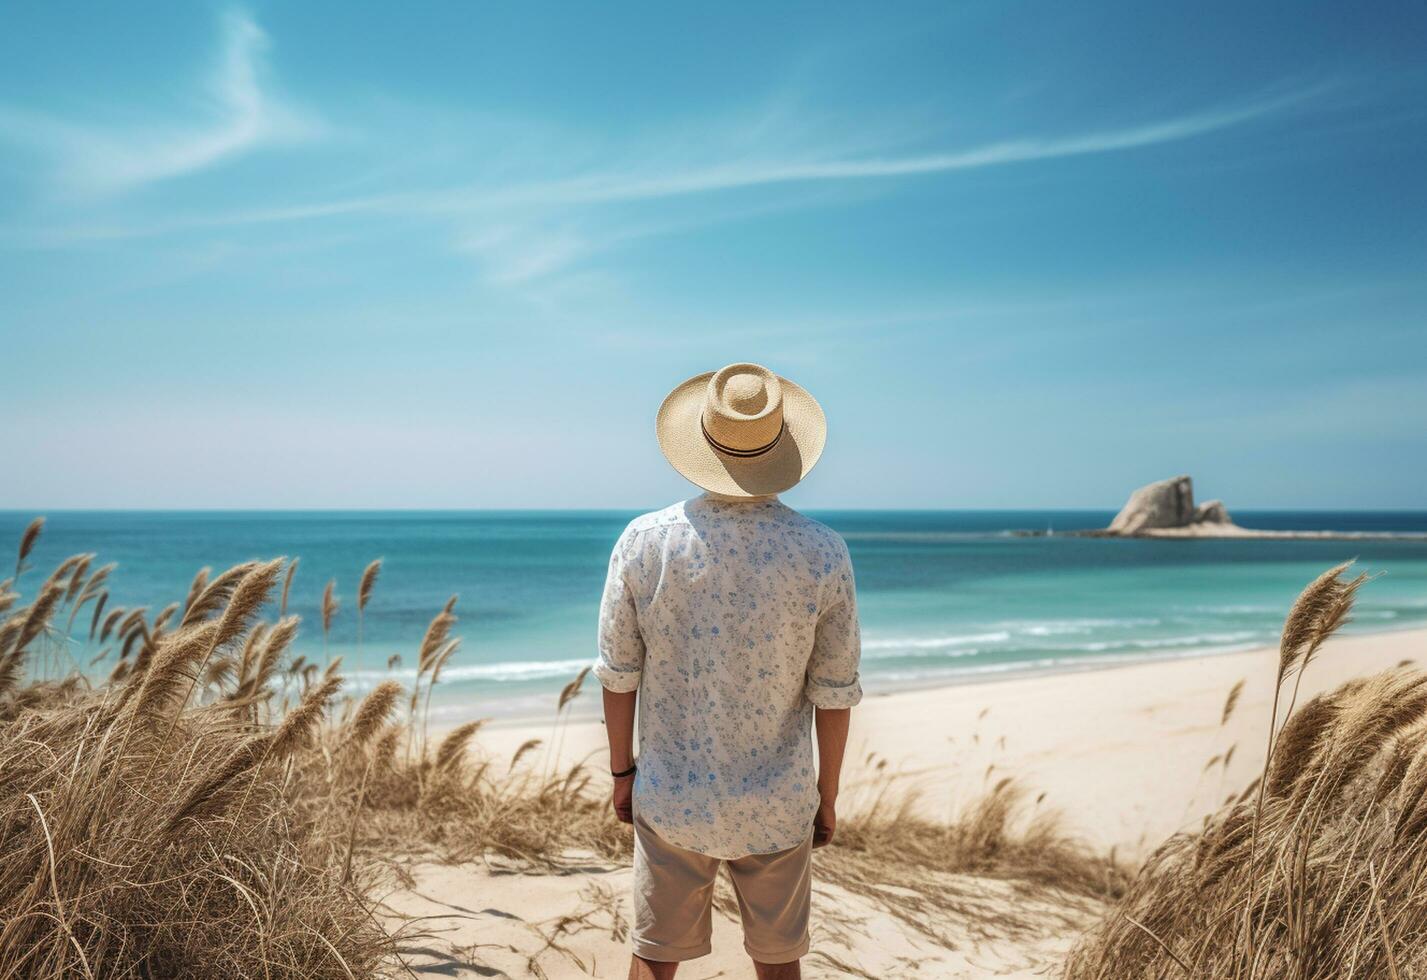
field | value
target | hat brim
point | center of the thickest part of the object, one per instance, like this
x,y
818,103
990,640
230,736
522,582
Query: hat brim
x,y
679,426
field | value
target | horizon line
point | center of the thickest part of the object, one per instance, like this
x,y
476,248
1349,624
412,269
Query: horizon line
x,y
43,511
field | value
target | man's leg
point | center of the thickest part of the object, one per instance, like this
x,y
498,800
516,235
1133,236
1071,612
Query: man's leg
x,y
673,904
778,971
774,899
640,969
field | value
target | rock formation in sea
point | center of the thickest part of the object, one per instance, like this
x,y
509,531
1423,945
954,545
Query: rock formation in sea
x,y
1167,510
1165,505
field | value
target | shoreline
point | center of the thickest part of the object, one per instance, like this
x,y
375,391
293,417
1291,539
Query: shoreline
x,y
586,709
1119,750
1226,532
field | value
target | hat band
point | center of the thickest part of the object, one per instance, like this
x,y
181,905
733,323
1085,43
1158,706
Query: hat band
x,y
742,453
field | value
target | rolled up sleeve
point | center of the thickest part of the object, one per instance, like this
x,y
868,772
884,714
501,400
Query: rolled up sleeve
x,y
621,647
833,680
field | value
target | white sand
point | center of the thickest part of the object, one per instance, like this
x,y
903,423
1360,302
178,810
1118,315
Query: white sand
x,y
469,921
1120,752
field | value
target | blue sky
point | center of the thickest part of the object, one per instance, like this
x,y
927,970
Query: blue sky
x,y
345,255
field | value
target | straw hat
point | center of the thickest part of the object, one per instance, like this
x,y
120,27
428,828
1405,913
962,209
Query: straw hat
x,y
741,431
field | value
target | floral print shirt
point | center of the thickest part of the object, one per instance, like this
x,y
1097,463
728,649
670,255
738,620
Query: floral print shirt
x,y
733,619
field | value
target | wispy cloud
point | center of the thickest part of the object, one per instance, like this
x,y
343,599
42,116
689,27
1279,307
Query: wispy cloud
x,y
522,243
636,184
239,115
254,119
527,244
521,232
515,253
640,186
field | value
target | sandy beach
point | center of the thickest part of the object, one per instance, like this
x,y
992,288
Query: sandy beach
x,y
1122,753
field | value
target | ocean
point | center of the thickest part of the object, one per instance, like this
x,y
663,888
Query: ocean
x,y
945,596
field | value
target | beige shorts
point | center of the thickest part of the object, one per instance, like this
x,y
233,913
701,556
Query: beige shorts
x,y
673,900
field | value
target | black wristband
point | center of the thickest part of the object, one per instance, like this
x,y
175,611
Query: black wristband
x,y
628,772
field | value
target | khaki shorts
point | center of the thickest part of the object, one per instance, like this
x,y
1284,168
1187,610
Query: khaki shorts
x,y
673,900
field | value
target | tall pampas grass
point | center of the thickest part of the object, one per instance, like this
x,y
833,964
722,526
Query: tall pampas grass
x,y
330,604
1231,702
1318,612
110,622
287,587
365,586
568,693
524,749
1313,871
37,617
453,747
372,714
76,577
215,594
437,646
92,590
196,587
144,834
299,726
28,538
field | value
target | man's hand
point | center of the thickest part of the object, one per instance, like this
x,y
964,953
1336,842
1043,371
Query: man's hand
x,y
824,823
623,798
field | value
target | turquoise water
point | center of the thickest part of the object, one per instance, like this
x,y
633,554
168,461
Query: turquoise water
x,y
945,596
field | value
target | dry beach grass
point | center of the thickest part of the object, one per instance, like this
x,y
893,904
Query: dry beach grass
x,y
215,808
1315,870
149,827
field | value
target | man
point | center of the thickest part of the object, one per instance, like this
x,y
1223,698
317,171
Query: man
x,y
732,619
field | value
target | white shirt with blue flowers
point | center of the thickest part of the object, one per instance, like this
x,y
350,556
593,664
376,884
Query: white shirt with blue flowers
x,y
732,619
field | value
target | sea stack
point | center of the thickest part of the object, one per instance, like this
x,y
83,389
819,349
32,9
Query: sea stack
x,y
1165,505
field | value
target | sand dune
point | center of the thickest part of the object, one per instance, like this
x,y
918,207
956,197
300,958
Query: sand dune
x,y
467,921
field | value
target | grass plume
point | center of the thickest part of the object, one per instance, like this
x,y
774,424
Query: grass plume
x,y
365,585
373,713
287,587
1231,702
28,538
330,604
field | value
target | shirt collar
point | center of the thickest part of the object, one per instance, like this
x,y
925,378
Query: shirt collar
x,y
719,498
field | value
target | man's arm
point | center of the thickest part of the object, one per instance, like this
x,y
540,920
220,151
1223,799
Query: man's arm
x,y
831,725
619,669
833,688
619,729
